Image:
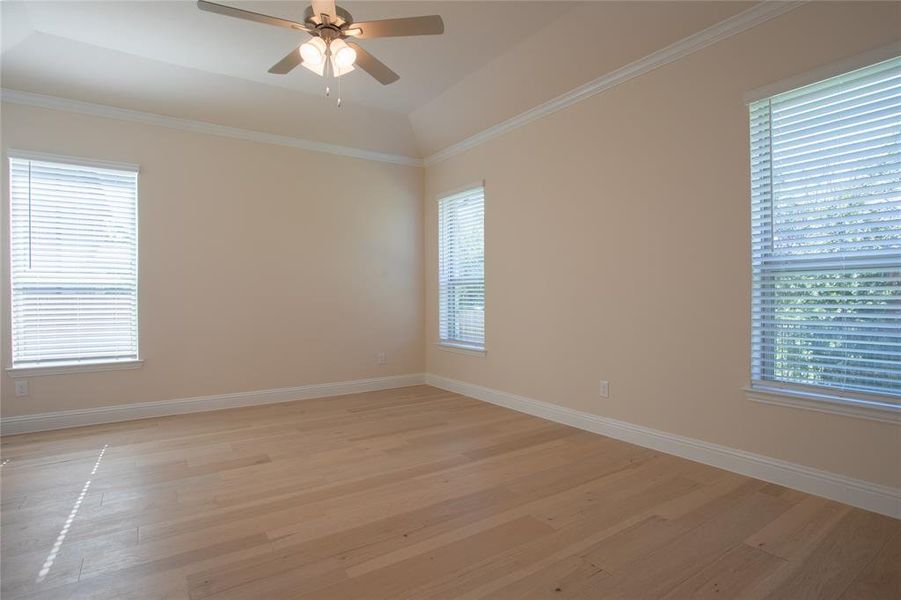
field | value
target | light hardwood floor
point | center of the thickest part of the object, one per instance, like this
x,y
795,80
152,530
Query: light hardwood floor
x,y
410,493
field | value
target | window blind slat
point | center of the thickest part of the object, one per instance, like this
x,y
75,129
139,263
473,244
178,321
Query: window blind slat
x,y
872,145
461,268
73,263
826,235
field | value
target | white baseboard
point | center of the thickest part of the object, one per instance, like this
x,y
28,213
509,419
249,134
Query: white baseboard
x,y
143,410
862,494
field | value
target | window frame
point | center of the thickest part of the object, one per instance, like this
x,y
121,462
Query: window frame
x,y
462,348
86,365
826,400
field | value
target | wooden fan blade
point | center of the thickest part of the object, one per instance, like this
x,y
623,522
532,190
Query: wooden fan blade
x,y
430,25
247,15
287,64
373,66
325,7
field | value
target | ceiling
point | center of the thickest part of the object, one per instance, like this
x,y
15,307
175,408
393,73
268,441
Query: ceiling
x,y
178,33
170,58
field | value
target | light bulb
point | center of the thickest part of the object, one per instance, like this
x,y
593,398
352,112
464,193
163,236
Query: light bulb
x,y
344,54
313,52
338,70
318,69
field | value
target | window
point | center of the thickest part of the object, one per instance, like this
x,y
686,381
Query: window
x,y
826,238
461,269
74,268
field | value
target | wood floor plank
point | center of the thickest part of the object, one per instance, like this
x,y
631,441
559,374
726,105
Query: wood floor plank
x,y
417,493
401,579
797,530
839,558
730,576
881,579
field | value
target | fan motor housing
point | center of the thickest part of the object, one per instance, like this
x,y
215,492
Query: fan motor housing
x,y
344,19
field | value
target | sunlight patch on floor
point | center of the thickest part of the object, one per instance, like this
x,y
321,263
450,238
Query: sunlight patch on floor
x,y
45,569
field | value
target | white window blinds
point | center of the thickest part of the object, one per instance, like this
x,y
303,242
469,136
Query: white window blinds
x,y
826,236
74,271
461,269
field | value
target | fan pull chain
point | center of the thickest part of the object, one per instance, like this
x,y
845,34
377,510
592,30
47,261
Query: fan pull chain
x,y
327,88
329,72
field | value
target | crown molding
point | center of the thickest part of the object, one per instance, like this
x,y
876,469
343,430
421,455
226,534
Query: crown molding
x,y
760,13
146,118
743,21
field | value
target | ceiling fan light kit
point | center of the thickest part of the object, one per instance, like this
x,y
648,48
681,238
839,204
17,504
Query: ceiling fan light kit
x,y
343,55
329,52
313,52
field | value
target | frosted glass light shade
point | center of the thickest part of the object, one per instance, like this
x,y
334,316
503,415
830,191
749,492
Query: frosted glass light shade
x,y
313,52
343,55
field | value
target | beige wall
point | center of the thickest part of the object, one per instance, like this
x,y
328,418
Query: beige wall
x,y
260,266
617,247
588,41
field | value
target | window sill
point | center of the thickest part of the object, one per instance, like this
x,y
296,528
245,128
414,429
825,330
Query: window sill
x,y
461,349
849,407
85,367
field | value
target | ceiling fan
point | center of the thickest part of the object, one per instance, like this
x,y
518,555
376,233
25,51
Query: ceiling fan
x,y
331,28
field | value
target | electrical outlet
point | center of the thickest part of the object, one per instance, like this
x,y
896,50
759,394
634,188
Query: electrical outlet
x,y
382,358
21,387
604,389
